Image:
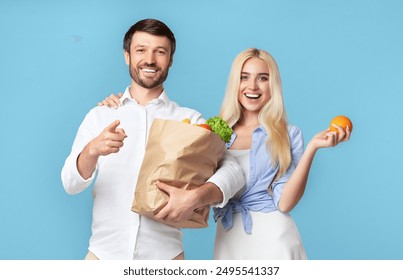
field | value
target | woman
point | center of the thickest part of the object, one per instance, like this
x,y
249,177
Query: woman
x,y
255,224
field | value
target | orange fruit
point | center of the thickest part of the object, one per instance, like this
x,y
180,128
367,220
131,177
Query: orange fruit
x,y
342,121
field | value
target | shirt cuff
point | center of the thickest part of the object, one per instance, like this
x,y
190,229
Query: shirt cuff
x,y
229,179
72,180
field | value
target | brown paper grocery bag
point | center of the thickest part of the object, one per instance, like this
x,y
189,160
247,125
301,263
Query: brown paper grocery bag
x,y
180,155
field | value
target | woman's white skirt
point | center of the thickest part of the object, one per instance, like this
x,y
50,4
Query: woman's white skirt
x,y
274,236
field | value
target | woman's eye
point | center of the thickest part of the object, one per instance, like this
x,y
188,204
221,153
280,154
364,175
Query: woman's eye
x,y
244,78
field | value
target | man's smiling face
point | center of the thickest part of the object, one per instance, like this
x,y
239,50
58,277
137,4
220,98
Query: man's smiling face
x,y
149,59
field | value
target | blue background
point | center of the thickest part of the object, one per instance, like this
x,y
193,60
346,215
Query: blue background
x,y
58,59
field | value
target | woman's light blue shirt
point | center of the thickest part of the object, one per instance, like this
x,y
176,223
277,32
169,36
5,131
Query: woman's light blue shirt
x,y
261,173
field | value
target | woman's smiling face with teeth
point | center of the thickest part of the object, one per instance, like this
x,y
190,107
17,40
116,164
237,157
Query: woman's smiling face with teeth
x,y
254,89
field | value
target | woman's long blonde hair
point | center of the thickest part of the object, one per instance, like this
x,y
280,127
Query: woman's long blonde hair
x,y
272,115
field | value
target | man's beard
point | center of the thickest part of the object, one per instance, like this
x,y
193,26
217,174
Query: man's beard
x,y
148,83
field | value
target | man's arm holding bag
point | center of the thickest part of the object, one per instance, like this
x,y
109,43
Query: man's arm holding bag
x,y
182,203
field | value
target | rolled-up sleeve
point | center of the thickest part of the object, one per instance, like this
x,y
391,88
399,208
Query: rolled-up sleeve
x,y
229,178
297,149
72,181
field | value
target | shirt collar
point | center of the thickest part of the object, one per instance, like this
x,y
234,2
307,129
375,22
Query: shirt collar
x,y
162,98
126,96
260,129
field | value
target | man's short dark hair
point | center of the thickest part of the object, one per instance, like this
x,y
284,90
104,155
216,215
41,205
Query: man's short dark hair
x,y
151,26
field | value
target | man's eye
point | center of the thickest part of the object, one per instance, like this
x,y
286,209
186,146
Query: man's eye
x,y
139,50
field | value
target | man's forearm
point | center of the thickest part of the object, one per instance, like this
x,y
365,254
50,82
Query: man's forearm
x,y
86,163
208,194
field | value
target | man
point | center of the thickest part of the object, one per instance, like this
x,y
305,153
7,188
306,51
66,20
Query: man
x,y
114,155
